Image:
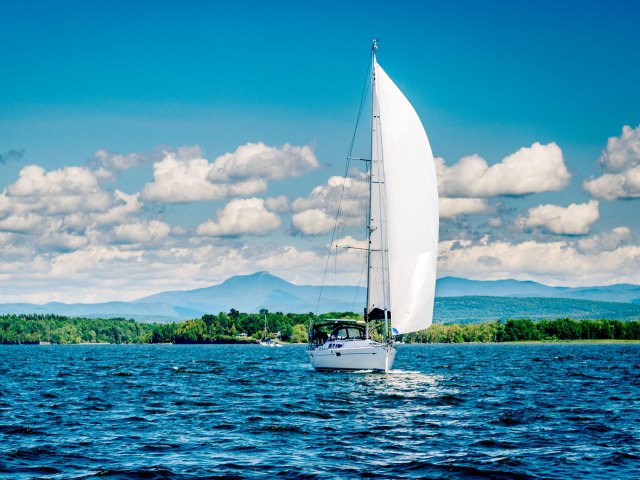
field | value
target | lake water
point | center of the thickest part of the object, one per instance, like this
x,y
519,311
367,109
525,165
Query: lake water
x,y
230,411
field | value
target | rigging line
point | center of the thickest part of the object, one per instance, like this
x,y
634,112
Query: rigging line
x,y
355,297
353,204
335,277
346,172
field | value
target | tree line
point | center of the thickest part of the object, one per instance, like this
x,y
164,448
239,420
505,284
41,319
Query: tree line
x,y
237,327
231,327
518,330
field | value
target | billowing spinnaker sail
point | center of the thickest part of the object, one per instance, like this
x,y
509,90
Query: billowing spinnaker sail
x,y
412,208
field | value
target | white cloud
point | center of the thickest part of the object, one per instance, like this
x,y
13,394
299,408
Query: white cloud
x,y
117,161
539,168
622,152
23,223
34,180
452,207
315,214
327,197
553,263
142,232
181,177
105,164
98,261
313,222
124,206
612,186
289,258
62,242
576,219
621,163
66,190
257,160
64,209
184,175
6,204
607,241
350,242
246,216
277,204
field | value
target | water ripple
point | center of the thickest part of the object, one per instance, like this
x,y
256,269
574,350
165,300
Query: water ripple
x,y
223,411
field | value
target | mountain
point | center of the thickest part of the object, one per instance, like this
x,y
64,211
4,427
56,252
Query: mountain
x,y
488,309
458,287
250,293
458,300
156,312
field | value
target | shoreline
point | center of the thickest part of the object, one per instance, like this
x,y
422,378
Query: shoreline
x,y
524,342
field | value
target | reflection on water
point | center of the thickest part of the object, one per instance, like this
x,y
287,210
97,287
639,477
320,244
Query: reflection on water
x,y
446,411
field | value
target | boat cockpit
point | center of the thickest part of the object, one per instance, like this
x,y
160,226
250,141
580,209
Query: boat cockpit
x,y
336,333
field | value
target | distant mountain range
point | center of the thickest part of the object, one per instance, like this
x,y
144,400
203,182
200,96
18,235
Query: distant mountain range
x,y
459,287
458,300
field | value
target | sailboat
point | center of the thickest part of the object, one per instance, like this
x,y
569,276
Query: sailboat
x,y
266,341
402,225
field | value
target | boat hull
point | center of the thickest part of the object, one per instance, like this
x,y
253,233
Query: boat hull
x,y
375,357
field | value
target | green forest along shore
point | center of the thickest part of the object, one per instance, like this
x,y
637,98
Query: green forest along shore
x,y
237,327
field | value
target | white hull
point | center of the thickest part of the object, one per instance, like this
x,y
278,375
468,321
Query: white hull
x,y
374,356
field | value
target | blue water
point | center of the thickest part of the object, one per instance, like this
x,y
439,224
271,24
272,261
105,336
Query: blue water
x,y
230,411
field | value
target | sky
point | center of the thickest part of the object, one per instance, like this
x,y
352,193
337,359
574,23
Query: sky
x,y
151,146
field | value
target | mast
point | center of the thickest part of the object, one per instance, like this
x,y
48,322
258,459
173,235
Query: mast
x,y
374,47
377,271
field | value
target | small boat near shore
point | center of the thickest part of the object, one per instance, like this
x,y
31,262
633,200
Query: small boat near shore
x,y
266,341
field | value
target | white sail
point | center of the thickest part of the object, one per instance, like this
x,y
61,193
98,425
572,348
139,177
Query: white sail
x,y
411,205
378,286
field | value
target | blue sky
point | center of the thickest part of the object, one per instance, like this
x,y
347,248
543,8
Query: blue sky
x,y
146,80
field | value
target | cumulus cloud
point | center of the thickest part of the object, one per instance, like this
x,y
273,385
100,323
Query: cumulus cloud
x,y
289,258
141,232
34,180
315,214
67,209
349,242
327,197
277,204
184,175
607,241
119,161
621,163
611,186
312,222
22,223
576,219
539,168
62,242
105,164
560,262
69,189
247,216
453,207
257,160
622,152
123,207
